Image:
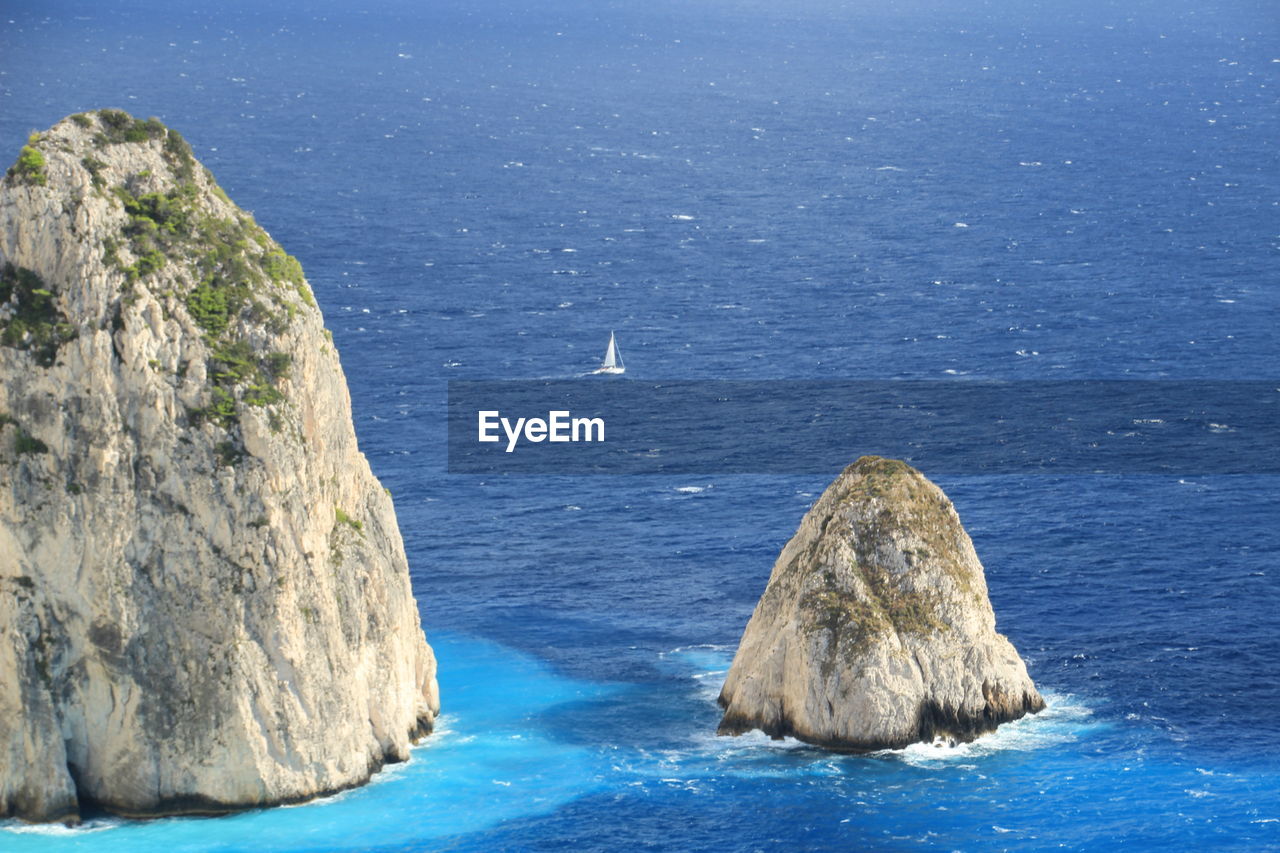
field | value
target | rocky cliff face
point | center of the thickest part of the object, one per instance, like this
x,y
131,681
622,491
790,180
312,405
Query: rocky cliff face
x,y
875,630
204,599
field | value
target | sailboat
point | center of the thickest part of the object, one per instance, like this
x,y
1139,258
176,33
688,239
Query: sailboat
x,y
612,359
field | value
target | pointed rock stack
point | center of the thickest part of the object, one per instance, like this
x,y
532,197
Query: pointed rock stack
x,y
875,630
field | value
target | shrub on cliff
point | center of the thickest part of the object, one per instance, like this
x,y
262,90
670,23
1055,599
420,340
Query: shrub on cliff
x,y
30,166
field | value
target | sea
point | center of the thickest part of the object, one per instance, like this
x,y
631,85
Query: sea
x,y
940,190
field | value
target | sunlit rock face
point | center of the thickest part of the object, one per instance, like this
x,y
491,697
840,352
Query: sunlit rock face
x,y
875,630
204,598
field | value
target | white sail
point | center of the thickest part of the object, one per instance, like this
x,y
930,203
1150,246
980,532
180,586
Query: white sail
x,y
612,358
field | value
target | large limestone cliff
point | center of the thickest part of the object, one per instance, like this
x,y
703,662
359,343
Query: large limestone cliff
x,y
204,598
875,630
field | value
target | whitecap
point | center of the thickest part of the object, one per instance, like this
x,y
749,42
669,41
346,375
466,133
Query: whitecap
x,y
1063,720
682,217
60,830
755,740
691,490
715,647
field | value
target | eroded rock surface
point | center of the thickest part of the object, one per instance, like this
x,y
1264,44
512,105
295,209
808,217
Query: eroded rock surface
x,y
875,630
204,598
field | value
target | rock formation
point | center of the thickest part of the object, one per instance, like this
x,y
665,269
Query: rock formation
x,y
875,630
204,598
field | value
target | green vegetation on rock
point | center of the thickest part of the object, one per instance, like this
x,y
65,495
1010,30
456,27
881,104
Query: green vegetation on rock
x,y
221,411
94,167
239,274
885,503
25,442
29,315
159,223
229,453
118,126
179,155
212,307
342,518
280,267
184,238
30,167
236,283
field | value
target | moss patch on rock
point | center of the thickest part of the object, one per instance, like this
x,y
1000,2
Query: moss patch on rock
x,y
893,518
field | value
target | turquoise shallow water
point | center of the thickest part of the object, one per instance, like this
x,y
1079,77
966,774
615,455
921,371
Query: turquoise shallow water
x,y
516,752
936,190
489,761
503,752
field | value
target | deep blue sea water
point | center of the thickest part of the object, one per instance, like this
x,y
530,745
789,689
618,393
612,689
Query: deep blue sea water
x,y
753,190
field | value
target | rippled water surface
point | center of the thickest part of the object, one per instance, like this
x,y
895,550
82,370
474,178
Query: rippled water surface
x,y
751,190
